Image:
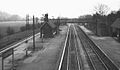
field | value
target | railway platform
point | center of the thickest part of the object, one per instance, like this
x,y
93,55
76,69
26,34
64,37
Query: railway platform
x,y
44,58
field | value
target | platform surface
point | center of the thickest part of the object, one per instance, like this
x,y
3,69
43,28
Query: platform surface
x,y
45,58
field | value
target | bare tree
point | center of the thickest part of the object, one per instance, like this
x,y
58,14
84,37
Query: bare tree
x,y
101,9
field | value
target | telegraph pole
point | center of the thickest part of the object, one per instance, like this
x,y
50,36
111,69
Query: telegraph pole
x,y
27,22
27,25
40,27
33,33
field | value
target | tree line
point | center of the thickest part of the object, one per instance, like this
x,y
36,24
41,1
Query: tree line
x,y
103,20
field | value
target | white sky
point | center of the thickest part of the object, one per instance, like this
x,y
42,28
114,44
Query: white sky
x,y
65,8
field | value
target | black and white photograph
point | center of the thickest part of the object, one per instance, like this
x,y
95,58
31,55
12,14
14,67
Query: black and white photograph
x,y
59,34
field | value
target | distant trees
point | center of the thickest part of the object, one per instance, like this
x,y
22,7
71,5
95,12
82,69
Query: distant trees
x,y
14,18
10,31
8,17
27,27
85,16
111,18
0,36
23,28
101,11
102,21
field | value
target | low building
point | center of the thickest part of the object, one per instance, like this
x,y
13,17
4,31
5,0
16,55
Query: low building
x,y
48,28
116,28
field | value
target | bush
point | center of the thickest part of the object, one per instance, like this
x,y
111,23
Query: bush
x,y
0,36
10,31
29,27
23,28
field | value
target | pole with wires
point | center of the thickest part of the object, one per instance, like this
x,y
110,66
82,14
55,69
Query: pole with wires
x,y
33,33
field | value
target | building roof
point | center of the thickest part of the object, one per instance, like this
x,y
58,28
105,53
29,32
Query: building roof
x,y
116,23
51,24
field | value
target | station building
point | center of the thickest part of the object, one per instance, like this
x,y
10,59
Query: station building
x,y
48,28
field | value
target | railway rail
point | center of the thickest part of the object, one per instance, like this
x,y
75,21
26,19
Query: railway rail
x,y
16,44
74,62
71,58
98,59
15,38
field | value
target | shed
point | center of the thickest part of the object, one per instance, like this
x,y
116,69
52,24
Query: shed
x,y
116,28
47,29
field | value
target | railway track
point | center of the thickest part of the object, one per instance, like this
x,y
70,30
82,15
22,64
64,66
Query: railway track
x,y
71,56
15,38
98,60
71,59
74,62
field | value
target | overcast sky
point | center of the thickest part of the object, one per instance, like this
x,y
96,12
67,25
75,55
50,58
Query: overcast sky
x,y
65,8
